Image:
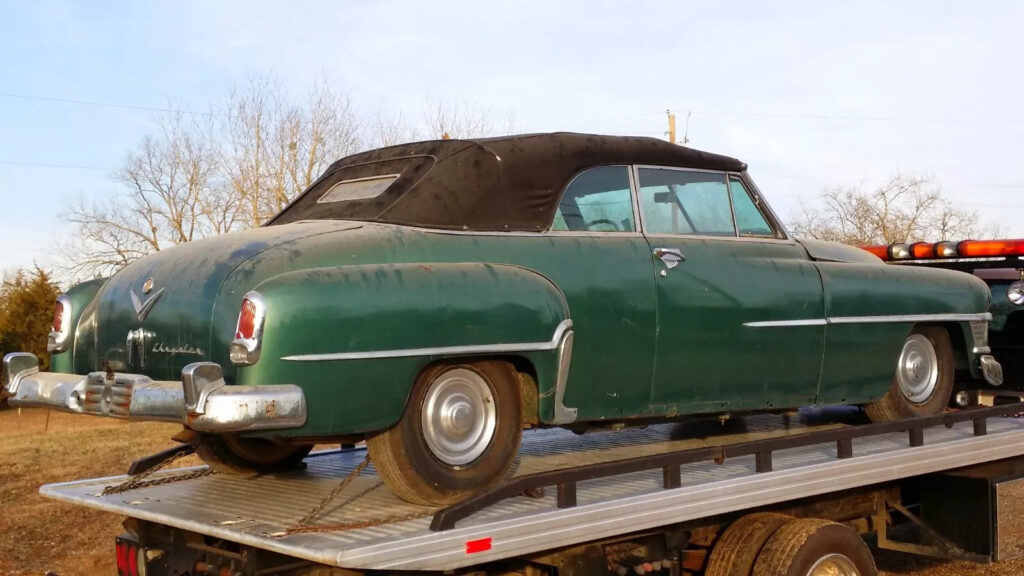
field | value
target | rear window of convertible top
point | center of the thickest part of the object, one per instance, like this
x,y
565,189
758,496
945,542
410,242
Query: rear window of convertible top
x,y
358,189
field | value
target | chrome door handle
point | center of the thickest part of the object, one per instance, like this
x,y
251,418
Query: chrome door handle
x,y
669,256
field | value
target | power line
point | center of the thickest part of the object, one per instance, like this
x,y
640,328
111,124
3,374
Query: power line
x,y
102,104
867,118
49,165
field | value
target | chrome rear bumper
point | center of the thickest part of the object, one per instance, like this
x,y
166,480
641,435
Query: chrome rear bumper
x,y
201,400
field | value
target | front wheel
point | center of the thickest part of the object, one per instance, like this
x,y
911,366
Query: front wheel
x,y
923,380
460,433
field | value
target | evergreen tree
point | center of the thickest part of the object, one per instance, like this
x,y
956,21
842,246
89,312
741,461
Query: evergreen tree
x,y
26,313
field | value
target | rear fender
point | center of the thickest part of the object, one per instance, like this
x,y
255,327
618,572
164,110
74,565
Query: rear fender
x,y
80,296
355,337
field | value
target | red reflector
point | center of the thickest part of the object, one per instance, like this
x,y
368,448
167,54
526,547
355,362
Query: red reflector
x,y
880,251
133,561
981,248
122,559
922,250
247,320
481,545
58,316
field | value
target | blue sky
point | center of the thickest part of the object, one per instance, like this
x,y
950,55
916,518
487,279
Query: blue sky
x,y
809,94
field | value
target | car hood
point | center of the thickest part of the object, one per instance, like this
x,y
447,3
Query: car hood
x,y
154,316
835,252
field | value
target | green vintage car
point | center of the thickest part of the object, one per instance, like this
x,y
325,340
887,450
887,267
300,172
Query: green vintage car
x,y
437,298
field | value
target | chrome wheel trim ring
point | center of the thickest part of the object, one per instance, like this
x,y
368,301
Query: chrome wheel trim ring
x,y
917,371
834,565
459,416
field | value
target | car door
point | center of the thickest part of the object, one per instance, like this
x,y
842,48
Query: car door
x,y
739,305
597,256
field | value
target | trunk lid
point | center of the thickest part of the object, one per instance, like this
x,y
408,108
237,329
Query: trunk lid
x,y
155,316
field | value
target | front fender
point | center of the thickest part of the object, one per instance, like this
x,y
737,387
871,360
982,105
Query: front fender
x,y
868,306
355,337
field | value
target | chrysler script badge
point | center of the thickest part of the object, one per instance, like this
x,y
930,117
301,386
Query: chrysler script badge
x,y
142,308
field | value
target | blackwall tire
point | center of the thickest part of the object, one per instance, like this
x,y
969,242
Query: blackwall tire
x,y
459,434
737,548
814,547
923,380
233,454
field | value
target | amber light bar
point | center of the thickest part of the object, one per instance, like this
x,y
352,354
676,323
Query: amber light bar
x,y
965,249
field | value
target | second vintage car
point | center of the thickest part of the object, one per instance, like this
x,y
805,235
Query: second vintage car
x,y
436,298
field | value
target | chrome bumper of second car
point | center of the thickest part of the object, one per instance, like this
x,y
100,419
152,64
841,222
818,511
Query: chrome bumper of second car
x,y
201,400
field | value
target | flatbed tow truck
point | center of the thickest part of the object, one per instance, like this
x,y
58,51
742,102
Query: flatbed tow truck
x,y
763,494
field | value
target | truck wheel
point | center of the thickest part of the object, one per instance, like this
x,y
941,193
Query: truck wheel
x,y
737,548
233,454
923,380
815,547
460,434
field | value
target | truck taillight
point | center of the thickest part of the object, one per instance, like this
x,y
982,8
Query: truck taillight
x,y
245,349
61,332
131,558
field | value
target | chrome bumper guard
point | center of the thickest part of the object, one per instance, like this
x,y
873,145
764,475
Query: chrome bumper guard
x,y
201,400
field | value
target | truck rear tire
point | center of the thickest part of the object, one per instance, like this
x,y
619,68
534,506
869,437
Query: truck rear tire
x,y
460,433
813,547
233,454
923,380
737,548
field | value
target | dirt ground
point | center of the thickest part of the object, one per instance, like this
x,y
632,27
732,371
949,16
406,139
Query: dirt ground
x,y
36,534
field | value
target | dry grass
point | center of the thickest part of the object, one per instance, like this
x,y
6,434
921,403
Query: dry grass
x,y
37,534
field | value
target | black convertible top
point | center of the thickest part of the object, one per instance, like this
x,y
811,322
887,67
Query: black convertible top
x,y
489,184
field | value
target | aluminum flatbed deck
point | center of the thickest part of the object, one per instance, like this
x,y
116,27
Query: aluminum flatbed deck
x,y
263,511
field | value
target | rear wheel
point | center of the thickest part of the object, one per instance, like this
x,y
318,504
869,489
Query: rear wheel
x,y
236,455
737,548
923,380
815,547
460,433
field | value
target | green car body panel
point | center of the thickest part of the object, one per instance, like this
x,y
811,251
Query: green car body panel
x,y
742,324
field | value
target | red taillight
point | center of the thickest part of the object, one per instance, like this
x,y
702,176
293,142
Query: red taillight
x,y
58,316
247,320
128,553
991,248
122,558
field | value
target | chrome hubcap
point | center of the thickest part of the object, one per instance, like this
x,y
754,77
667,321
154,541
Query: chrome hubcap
x,y
459,417
834,565
918,369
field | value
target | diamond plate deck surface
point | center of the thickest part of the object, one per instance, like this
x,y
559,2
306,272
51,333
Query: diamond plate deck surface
x,y
259,510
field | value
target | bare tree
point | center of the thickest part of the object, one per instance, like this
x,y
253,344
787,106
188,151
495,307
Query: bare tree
x,y
204,174
461,120
275,149
907,208
166,199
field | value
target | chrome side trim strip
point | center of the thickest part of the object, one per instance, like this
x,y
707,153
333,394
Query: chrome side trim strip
x,y
980,317
556,339
985,317
563,414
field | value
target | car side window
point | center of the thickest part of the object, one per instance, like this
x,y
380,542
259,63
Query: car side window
x,y
597,200
749,219
685,202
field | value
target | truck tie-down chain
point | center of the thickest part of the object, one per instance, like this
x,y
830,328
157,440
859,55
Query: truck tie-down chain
x,y
140,480
306,524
